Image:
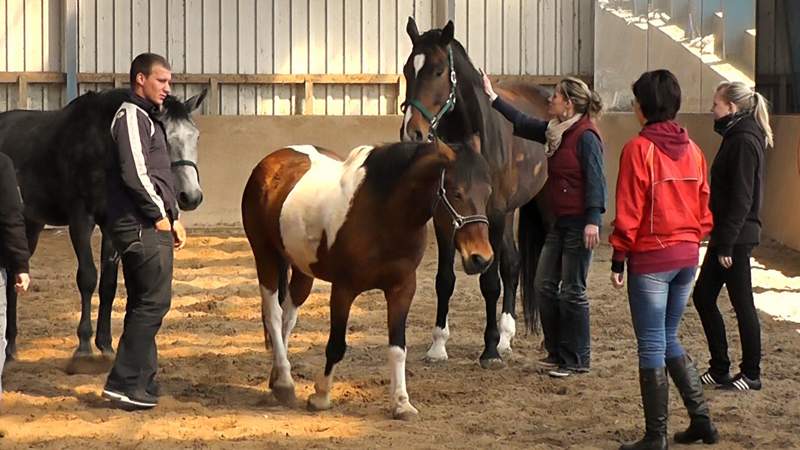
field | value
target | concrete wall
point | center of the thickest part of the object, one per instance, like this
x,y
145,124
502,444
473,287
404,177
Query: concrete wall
x,y
231,146
631,47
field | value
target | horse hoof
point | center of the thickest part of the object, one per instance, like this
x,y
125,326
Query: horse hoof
x,y
317,402
405,412
493,364
11,355
434,359
504,350
284,394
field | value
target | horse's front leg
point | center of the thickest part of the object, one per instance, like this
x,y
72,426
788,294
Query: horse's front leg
x,y
445,283
109,267
80,233
399,301
490,288
509,272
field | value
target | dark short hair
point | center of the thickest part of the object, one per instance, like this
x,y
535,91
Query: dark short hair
x,y
658,94
144,64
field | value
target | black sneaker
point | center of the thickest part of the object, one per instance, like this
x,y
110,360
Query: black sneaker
x,y
130,400
715,380
550,361
741,383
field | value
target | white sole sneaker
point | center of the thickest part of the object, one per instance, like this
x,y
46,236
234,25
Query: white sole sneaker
x,y
123,399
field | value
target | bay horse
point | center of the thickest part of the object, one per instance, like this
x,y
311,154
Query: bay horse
x,y
61,159
359,224
445,98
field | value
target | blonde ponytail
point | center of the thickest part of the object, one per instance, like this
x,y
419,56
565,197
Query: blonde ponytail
x,y
761,113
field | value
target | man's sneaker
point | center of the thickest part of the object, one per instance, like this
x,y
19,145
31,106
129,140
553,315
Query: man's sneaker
x,y
741,383
563,372
549,362
712,380
130,400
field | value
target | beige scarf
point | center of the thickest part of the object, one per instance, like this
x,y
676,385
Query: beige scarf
x,y
555,130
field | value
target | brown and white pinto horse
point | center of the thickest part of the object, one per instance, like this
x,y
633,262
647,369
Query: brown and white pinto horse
x,y
445,98
359,224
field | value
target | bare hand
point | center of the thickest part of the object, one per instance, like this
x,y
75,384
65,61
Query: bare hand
x,y
591,236
725,261
487,86
163,225
178,235
23,281
617,279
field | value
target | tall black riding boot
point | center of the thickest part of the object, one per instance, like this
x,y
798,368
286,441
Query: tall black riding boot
x,y
655,399
684,374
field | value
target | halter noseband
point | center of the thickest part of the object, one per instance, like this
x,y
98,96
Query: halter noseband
x,y
449,105
186,162
459,221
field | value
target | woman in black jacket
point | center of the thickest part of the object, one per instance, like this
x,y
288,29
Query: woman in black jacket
x,y
737,184
14,254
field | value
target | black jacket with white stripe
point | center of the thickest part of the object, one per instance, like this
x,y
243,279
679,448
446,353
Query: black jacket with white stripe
x,y
140,181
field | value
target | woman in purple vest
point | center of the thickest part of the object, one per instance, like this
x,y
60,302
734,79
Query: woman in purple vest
x,y
576,193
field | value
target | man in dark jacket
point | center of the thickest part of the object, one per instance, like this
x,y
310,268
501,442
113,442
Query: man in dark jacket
x,y
142,217
14,254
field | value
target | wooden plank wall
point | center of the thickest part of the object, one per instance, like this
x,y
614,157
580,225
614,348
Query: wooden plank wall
x,y
30,41
536,37
528,37
773,56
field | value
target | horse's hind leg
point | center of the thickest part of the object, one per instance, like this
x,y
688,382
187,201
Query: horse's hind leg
x,y
299,289
32,232
341,301
509,272
271,267
109,267
399,301
445,283
80,233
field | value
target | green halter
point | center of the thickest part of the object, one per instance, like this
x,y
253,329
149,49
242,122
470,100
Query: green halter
x,y
434,119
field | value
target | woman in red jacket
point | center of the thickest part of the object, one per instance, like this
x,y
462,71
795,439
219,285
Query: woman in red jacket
x,y
662,214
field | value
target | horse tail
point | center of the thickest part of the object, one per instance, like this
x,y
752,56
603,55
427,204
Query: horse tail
x,y
531,235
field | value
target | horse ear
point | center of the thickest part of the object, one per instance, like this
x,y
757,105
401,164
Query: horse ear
x,y
194,102
411,29
447,34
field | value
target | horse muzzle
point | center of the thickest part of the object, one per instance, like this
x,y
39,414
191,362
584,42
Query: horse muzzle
x,y
476,263
189,201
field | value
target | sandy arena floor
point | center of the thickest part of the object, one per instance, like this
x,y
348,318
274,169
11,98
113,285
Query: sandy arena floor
x,y
214,369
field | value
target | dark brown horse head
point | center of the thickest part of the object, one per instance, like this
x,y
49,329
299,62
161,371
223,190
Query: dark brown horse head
x,y
430,83
467,187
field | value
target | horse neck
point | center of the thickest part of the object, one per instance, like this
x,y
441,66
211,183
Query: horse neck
x,y
473,111
412,205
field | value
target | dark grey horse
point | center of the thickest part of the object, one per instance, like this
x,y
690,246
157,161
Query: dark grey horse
x,y
61,159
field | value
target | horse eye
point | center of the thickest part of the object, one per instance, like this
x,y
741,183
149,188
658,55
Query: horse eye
x,y
439,73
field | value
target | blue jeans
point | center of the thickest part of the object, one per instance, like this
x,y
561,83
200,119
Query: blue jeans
x,y
657,302
561,284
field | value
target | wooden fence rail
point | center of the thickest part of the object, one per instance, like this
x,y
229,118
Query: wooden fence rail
x,y
23,79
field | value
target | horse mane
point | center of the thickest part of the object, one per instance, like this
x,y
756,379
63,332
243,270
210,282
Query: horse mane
x,y
387,164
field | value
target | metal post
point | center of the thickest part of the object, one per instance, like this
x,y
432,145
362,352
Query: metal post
x,y
71,47
792,8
